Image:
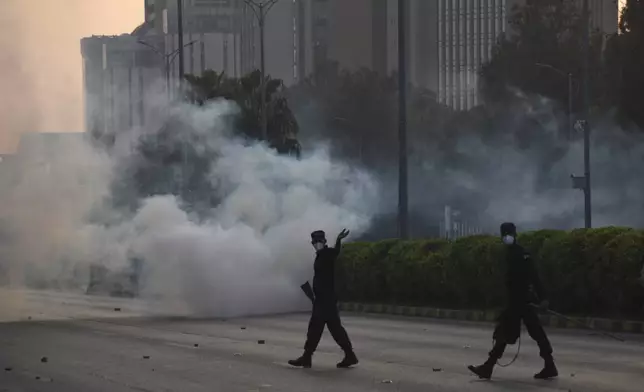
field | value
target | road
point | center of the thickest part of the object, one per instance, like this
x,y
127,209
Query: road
x,y
91,347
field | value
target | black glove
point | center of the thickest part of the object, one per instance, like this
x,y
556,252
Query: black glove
x,y
306,287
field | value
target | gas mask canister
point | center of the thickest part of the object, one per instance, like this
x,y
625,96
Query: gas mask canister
x,y
318,246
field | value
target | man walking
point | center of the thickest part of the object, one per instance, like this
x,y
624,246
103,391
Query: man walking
x,y
521,277
325,303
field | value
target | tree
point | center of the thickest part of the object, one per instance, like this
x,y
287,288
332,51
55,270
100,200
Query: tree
x,y
357,111
624,65
246,92
546,32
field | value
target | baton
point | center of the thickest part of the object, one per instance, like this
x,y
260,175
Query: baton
x,y
582,324
306,287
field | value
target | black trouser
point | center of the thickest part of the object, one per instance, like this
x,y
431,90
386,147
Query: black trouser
x,y
326,313
508,331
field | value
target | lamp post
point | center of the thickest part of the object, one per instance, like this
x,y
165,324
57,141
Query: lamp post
x,y
586,112
403,225
570,93
261,9
167,59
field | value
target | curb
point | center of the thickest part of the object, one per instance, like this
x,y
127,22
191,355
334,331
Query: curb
x,y
636,327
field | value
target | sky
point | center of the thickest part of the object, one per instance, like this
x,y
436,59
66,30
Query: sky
x,y
40,62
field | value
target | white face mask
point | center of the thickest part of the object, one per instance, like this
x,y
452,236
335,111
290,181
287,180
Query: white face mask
x,y
508,240
318,246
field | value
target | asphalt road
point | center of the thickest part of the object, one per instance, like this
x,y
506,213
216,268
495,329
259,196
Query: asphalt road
x,y
90,346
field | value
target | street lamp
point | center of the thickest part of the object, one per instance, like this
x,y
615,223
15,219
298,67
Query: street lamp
x,y
570,94
167,59
586,107
578,182
403,197
261,9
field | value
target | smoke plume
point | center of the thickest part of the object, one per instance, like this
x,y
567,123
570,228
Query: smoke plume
x,y
246,255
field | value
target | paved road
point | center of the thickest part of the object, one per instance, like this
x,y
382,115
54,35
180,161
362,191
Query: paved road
x,y
94,348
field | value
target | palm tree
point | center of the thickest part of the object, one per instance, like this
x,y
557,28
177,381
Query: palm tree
x,y
246,92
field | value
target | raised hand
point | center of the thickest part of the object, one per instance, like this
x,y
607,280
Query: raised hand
x,y
343,234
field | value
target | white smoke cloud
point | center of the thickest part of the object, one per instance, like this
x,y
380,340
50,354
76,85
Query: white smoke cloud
x,y
247,255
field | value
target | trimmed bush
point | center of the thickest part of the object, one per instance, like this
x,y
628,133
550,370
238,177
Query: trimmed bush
x,y
585,272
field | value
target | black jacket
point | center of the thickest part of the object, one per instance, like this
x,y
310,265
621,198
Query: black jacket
x,y
324,278
522,280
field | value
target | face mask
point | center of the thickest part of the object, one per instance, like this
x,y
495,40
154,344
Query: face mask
x,y
508,240
318,246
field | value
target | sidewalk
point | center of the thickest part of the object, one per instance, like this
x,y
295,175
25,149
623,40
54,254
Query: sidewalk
x,y
490,316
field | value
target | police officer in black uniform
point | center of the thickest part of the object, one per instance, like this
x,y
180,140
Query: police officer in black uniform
x,y
325,304
523,285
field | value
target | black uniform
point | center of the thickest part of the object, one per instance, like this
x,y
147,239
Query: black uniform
x,y
523,289
325,304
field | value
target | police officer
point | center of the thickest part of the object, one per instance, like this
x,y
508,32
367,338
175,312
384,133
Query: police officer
x,y
523,284
325,303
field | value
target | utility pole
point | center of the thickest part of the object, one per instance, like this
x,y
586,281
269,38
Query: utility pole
x,y
403,226
571,125
167,58
586,115
184,151
261,9
181,46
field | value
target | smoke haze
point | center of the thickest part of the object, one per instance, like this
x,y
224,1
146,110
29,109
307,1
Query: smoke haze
x,y
248,255
41,64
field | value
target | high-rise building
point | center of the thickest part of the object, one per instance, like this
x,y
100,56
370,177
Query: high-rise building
x,y
447,40
467,33
604,15
221,35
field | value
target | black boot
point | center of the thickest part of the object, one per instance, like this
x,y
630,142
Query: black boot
x,y
549,370
484,371
349,360
304,361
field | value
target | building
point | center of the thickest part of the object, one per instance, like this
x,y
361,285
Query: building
x,y
363,34
221,35
447,40
604,15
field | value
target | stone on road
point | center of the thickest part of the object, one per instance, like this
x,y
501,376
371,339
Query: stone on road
x,y
396,354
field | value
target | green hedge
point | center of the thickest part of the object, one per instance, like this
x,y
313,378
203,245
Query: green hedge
x,y
586,272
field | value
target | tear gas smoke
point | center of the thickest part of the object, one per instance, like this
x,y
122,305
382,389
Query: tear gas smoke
x,y
248,254
514,164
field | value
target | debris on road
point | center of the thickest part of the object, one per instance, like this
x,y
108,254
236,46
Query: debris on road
x,y
8,369
243,327
467,346
44,360
386,382
146,357
262,341
437,369
117,309
196,345
237,354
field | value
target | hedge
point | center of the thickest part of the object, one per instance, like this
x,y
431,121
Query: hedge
x,y
585,272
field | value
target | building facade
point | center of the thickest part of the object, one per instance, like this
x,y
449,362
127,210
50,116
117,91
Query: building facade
x,y
447,40
123,73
